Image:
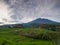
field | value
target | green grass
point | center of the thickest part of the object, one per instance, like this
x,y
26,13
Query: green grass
x,y
8,37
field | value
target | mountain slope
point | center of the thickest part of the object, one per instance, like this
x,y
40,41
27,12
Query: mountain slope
x,y
40,21
43,21
36,23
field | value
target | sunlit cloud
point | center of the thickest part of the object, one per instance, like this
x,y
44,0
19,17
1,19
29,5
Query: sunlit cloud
x,y
4,12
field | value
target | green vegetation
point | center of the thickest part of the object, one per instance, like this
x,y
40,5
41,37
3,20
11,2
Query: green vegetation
x,y
22,36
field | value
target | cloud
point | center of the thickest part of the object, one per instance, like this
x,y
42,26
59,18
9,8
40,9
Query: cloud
x,y
32,9
36,9
4,12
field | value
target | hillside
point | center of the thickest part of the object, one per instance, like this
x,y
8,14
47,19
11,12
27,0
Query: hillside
x,y
43,21
9,36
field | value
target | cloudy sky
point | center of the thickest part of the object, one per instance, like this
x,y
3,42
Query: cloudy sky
x,y
22,11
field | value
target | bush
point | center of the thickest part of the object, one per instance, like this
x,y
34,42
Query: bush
x,y
43,36
39,35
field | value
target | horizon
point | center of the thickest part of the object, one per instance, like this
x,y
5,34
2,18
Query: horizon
x,y
27,22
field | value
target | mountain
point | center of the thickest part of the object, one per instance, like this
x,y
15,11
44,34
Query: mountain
x,y
40,21
43,21
36,23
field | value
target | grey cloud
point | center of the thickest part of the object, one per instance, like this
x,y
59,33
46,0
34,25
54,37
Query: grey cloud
x,y
35,9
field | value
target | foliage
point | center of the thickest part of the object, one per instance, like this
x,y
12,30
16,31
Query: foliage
x,y
41,34
8,36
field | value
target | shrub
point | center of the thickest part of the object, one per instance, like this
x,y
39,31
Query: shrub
x,y
39,35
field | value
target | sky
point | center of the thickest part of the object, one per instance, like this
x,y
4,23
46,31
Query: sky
x,y
23,11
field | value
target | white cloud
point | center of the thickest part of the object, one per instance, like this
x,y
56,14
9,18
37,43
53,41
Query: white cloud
x,y
4,12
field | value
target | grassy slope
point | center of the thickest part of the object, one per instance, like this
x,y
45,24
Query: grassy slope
x,y
8,37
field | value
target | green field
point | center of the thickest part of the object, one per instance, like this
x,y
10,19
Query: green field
x,y
11,36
